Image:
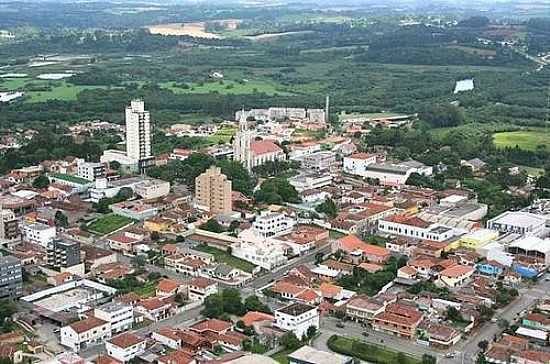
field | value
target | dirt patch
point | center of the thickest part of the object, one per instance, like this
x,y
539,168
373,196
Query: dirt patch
x,y
197,30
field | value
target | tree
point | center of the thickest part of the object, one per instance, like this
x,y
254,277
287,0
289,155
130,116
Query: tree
x,y
428,359
276,191
289,341
139,261
155,235
61,220
114,165
483,345
212,225
213,306
453,314
401,358
319,258
253,303
328,207
41,182
232,302
311,331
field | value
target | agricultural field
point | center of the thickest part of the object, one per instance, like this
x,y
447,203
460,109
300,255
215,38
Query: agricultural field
x,y
526,140
222,136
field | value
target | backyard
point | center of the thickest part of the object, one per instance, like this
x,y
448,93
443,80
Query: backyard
x,y
107,224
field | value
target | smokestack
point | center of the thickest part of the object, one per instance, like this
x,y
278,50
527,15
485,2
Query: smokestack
x,y
327,109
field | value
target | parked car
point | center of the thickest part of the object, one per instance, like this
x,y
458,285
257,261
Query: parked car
x,y
340,324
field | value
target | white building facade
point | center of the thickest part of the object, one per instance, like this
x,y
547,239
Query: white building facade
x,y
39,233
120,316
298,318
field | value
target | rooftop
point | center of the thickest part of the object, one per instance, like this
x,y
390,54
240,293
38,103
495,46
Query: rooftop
x,y
307,354
296,309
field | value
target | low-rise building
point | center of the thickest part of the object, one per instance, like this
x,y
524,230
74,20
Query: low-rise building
x,y
199,288
519,222
398,319
125,347
298,318
456,275
91,171
11,277
85,333
310,181
152,188
39,233
155,309
272,224
414,227
119,315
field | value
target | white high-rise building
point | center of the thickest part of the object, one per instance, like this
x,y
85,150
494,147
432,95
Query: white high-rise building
x,y
138,131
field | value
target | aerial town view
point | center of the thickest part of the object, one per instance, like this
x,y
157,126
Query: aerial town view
x,y
275,181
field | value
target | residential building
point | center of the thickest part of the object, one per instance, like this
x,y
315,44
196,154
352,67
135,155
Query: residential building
x,y
414,227
11,277
456,275
84,333
357,163
136,210
151,189
119,315
63,253
267,253
155,309
298,318
138,131
199,288
298,151
39,233
398,319
359,251
272,224
9,226
91,170
519,222
320,161
125,347
362,308
213,191
309,355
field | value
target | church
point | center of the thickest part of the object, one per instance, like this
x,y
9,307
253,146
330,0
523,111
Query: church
x,y
251,152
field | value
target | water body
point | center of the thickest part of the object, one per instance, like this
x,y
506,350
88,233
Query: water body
x,y
464,85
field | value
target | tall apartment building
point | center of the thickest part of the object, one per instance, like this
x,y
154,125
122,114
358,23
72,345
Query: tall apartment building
x,y
63,253
138,131
11,277
9,227
91,170
213,191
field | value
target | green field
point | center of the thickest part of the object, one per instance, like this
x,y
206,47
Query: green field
x,y
223,257
282,356
371,353
58,89
526,140
222,136
108,223
227,87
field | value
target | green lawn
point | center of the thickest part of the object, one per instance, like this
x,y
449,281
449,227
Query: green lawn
x,y
222,136
333,234
222,257
282,356
72,179
369,352
58,89
107,224
526,140
227,87
532,171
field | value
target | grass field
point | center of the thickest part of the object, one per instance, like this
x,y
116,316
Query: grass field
x,y
223,257
282,356
368,352
227,87
59,90
526,140
223,135
108,223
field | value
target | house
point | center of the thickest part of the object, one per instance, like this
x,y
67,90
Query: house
x,y
81,334
530,357
476,164
536,321
362,308
360,251
169,287
287,290
491,268
199,288
176,357
185,339
455,276
398,319
155,309
442,336
125,347
184,265
119,315
254,317
356,164
298,318
406,272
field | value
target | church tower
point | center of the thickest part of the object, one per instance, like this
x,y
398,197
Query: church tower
x,y
241,143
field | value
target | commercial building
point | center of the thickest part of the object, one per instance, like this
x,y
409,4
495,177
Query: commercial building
x,y
125,347
310,181
272,224
414,227
39,233
267,253
398,319
319,161
11,277
309,355
519,222
213,191
297,318
136,210
357,163
91,171
63,253
152,188
9,227
119,315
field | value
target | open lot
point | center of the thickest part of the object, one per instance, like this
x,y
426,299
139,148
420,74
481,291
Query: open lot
x,y
108,223
224,257
191,29
526,140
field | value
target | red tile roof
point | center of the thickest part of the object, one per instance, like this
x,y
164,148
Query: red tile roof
x,y
212,325
254,316
362,156
168,285
87,324
201,282
176,357
456,271
264,147
126,340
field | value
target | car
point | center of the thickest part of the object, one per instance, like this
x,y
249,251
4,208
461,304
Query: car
x,y
55,331
340,325
494,319
450,355
365,334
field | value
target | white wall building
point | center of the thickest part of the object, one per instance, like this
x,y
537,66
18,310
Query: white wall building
x,y
152,188
138,131
267,253
91,171
301,150
519,222
298,318
119,315
84,333
199,288
39,233
272,224
414,228
357,163
125,347
310,181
